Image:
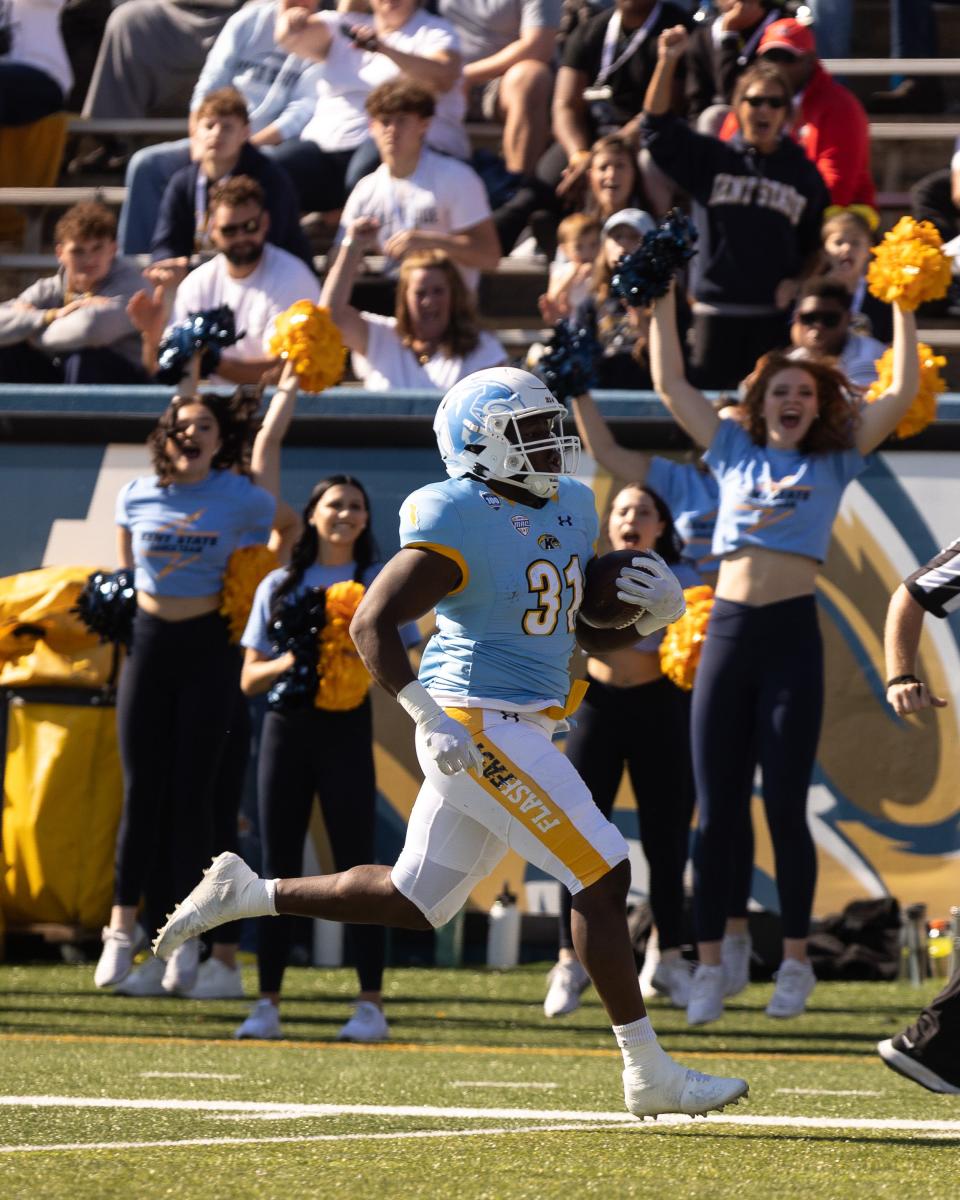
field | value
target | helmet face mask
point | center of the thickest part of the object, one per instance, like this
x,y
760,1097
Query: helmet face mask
x,y
479,428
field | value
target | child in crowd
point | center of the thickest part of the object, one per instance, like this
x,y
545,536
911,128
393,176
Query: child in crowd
x,y
569,286
848,236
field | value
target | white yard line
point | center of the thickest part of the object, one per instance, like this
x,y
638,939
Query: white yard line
x,y
820,1092
184,1074
499,1083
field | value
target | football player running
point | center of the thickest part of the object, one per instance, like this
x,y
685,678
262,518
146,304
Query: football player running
x,y
499,550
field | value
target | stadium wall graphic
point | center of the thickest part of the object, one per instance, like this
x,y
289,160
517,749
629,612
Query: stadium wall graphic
x,y
885,802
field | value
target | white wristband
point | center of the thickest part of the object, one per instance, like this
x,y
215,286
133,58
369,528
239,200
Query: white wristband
x,y
418,702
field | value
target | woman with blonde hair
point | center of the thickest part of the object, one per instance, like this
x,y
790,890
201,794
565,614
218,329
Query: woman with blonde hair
x,y
432,341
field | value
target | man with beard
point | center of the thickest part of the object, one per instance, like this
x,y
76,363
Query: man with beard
x,y
255,279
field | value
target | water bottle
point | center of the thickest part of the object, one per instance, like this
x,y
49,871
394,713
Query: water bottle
x,y
939,948
954,941
503,931
913,943
448,942
327,943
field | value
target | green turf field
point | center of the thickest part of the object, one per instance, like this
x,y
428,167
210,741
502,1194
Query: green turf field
x,y
478,1096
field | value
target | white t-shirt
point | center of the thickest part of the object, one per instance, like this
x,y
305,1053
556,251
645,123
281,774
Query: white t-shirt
x,y
279,280
389,364
860,353
348,75
35,39
442,194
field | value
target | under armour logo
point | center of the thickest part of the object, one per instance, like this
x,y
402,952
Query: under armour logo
x,y
510,716
564,519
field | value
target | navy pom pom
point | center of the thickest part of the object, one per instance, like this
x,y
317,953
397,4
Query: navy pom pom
x,y
646,274
296,627
210,332
107,606
568,365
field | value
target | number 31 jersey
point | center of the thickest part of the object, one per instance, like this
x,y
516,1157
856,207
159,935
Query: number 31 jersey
x,y
505,634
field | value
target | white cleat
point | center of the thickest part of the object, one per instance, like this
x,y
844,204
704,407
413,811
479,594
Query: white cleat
x,y
795,982
567,983
228,891
667,1087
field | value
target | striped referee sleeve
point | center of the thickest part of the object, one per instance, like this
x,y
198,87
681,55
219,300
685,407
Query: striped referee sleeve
x,y
936,586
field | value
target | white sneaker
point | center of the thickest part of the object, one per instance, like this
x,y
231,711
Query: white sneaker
x,y
217,981
735,952
144,981
567,983
368,1024
795,982
673,978
706,995
228,891
116,957
181,971
263,1022
664,1086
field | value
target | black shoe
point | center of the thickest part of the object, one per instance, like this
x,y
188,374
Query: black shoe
x,y
900,1054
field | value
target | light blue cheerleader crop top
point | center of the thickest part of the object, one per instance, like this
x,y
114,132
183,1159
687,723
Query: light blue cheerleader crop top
x,y
184,533
780,499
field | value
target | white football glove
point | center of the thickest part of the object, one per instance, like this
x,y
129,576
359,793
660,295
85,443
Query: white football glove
x,y
651,585
448,742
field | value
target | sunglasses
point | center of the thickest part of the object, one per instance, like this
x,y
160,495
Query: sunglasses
x,y
769,101
829,320
249,226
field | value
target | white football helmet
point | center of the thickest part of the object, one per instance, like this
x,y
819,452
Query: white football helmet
x,y
478,432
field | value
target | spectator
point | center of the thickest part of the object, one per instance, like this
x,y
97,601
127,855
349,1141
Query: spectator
x,y
830,123
222,150
73,327
82,23
508,47
628,692
35,74
311,751
621,333
334,150
255,279
420,200
607,64
214,490
580,242
821,328
848,236
433,339
759,693
151,54
279,91
757,204
936,198
721,48
927,1051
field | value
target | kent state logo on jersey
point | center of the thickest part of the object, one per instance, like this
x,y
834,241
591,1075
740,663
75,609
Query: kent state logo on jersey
x,y
546,541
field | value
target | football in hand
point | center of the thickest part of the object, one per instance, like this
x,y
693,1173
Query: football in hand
x,y
601,607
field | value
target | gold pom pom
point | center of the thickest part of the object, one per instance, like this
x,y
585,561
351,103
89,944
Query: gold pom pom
x,y
909,266
683,640
246,566
924,407
307,336
344,680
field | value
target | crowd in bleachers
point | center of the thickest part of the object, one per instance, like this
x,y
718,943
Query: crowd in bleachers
x,y
362,113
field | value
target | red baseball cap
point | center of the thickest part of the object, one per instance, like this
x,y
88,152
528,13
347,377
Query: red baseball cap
x,y
788,34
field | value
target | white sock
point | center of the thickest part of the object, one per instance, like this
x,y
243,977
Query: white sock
x,y
258,898
638,1042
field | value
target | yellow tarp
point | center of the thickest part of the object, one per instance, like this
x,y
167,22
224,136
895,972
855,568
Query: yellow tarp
x,y
62,792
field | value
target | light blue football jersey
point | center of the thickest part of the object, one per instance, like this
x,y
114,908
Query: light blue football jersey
x,y
505,635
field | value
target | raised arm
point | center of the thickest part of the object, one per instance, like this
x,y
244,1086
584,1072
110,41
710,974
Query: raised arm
x,y
671,47
298,31
338,285
265,457
878,420
601,445
687,404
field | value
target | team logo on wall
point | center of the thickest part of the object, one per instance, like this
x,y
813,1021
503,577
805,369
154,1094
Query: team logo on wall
x,y
521,524
546,541
491,499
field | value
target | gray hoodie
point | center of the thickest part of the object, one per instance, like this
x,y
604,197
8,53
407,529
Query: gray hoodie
x,y
92,325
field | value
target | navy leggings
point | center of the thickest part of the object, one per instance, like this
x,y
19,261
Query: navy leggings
x,y
176,701
758,699
648,728
330,755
